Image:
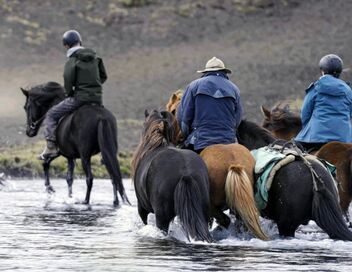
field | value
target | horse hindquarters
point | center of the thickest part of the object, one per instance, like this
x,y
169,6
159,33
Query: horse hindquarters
x,y
239,197
191,204
290,198
326,211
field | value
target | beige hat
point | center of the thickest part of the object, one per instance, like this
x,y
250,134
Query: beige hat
x,y
215,64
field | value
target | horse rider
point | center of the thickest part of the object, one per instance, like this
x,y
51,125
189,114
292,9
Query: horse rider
x,y
211,109
84,74
327,107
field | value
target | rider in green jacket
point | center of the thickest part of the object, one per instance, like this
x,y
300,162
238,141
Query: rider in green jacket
x,y
84,75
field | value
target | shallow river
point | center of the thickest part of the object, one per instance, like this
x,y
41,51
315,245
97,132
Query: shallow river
x,y
55,233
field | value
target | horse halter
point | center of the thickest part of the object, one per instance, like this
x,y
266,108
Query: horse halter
x,y
34,124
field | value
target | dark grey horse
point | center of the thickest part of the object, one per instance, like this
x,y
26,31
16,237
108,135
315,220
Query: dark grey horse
x,y
294,198
87,131
170,181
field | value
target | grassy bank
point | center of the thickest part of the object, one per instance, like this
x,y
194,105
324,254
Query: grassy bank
x,y
21,161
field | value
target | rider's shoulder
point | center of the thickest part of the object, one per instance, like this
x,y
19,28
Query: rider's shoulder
x,y
311,86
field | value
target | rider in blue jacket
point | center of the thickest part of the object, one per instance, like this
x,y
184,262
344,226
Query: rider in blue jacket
x,y
327,107
211,109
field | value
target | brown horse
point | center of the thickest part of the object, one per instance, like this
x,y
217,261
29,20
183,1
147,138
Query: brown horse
x,y
231,169
285,124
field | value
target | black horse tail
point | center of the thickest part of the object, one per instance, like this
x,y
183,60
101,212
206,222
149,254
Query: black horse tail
x,y
107,140
192,207
326,212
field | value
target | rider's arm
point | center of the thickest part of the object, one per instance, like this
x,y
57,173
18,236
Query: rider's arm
x,y
239,111
69,77
102,71
308,107
185,112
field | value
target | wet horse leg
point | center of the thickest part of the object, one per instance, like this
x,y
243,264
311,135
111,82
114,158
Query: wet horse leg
x,y
116,179
348,220
69,177
46,166
221,218
143,214
86,164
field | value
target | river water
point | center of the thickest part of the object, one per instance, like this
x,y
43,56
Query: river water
x,y
55,233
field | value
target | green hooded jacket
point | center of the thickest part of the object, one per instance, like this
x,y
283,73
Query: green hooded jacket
x,y
84,75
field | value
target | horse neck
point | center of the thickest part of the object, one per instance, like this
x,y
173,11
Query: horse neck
x,y
253,136
146,146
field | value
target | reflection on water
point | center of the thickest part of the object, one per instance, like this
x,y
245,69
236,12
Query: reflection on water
x,y
54,233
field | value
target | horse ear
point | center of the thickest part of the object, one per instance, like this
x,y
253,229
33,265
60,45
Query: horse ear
x,y
146,113
265,112
24,91
174,97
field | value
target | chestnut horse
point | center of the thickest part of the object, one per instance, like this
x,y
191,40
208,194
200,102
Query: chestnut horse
x,y
285,124
169,181
231,168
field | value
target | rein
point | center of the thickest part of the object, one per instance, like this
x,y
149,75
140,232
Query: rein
x,y
34,124
299,153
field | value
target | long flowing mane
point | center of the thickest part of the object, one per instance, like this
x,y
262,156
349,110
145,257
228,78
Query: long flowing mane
x,y
253,136
159,130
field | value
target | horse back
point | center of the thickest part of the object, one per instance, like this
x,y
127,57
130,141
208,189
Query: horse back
x,y
78,131
218,159
159,172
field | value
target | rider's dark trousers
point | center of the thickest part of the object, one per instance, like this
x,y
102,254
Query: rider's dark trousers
x,y
58,111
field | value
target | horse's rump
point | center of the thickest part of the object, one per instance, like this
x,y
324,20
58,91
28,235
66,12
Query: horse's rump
x,y
231,179
170,182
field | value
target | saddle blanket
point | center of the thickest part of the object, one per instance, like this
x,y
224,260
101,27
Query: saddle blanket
x,y
268,161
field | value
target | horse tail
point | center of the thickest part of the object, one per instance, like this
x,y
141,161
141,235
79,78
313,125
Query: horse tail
x,y
192,207
240,198
107,139
327,213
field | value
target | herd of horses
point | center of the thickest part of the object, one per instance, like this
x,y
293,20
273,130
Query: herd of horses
x,y
171,182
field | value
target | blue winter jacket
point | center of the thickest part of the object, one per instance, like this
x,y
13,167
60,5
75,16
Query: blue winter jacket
x,y
326,112
210,111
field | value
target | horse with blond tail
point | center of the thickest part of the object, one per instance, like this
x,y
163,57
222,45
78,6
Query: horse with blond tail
x,y
231,168
231,180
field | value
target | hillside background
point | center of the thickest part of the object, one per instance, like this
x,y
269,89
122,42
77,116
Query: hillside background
x,y
152,47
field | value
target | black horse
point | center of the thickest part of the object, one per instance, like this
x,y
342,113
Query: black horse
x,y
87,131
294,197
170,181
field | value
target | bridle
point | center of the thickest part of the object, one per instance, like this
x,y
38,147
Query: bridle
x,y
34,124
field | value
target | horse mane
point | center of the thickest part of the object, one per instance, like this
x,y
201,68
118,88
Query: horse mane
x,y
282,117
253,136
159,130
51,89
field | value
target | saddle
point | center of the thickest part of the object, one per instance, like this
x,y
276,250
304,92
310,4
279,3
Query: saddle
x,y
271,158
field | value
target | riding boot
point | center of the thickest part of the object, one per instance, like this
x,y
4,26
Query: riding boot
x,y
50,151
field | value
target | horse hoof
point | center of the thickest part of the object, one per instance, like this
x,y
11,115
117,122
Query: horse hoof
x,y
116,203
50,190
350,225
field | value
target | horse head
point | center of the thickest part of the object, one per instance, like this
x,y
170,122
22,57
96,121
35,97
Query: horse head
x,y
281,121
174,101
39,99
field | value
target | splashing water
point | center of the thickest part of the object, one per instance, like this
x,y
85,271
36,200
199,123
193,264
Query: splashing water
x,y
56,233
